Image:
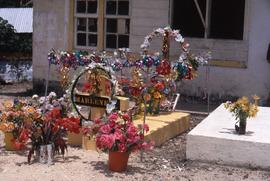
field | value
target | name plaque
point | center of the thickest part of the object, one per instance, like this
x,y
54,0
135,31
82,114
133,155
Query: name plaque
x,y
91,100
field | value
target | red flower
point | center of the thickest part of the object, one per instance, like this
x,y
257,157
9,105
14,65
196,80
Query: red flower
x,y
86,87
126,117
160,86
145,127
105,129
97,121
113,116
131,130
105,141
164,68
122,147
118,135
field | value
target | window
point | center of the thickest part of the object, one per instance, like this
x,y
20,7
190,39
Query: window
x,y
95,19
117,24
217,19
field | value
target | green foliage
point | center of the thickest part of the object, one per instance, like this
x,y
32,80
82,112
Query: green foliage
x,y
10,41
14,3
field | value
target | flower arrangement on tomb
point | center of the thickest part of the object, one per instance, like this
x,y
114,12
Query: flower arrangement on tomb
x,y
53,124
51,129
42,121
143,67
117,132
118,135
243,109
15,118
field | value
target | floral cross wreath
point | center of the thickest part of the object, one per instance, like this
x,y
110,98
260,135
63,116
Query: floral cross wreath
x,y
99,70
167,31
185,67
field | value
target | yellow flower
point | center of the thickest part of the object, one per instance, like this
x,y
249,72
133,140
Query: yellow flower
x,y
244,100
31,110
3,127
10,126
7,104
3,117
157,95
256,99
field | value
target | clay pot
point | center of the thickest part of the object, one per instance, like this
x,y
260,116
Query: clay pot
x,y
118,161
9,144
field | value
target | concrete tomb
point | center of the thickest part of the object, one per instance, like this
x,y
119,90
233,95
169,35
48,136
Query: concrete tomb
x,y
215,140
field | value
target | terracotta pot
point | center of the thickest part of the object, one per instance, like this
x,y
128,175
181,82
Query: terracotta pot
x,y
9,144
118,161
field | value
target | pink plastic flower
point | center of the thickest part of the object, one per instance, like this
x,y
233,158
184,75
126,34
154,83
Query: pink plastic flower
x,y
122,147
132,130
145,127
113,116
105,129
126,117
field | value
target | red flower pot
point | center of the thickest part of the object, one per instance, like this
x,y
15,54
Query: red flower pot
x,y
118,161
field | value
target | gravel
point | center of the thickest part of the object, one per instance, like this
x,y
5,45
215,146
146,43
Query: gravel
x,y
167,162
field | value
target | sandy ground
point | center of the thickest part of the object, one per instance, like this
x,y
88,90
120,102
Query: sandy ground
x,y
167,162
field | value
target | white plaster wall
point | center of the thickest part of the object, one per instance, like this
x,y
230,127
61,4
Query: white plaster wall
x,y
49,31
51,25
145,17
235,81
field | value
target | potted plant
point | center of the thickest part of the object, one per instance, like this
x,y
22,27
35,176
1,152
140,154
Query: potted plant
x,y
242,109
117,135
14,119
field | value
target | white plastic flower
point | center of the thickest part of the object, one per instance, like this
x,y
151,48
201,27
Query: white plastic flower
x,y
41,100
179,38
110,107
52,94
35,96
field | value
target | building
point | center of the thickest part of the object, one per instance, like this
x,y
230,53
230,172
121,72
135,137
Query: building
x,y
236,32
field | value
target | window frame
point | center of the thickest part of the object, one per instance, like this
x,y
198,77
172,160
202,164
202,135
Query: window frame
x,y
115,17
207,21
101,17
209,44
87,16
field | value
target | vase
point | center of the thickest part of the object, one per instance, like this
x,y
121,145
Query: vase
x,y
242,126
9,143
42,154
49,154
46,154
118,161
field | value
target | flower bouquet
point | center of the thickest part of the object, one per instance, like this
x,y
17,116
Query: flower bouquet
x,y
117,135
14,120
242,109
48,134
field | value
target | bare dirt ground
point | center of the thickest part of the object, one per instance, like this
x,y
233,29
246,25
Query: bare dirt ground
x,y
167,162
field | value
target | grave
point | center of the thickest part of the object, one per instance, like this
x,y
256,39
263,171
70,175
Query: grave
x,y
215,140
165,126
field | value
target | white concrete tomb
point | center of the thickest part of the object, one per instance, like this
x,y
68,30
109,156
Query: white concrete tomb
x,y
215,140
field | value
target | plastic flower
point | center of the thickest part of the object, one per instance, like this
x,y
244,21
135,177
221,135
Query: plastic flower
x,y
157,95
242,108
121,135
8,104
